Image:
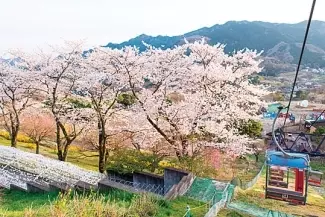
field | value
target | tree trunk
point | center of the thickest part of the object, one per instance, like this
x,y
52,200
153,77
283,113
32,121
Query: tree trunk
x,y
102,147
37,147
60,155
14,134
66,149
182,152
184,148
13,139
179,155
14,125
101,161
256,157
58,142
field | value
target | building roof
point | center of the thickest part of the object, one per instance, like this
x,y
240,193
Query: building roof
x,y
274,107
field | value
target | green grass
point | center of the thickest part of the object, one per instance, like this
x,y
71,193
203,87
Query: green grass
x,y
256,196
249,168
16,203
317,166
13,203
231,213
177,208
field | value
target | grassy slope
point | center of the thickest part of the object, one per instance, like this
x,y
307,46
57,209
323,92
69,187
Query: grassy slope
x,y
177,208
13,203
231,213
245,169
16,203
255,195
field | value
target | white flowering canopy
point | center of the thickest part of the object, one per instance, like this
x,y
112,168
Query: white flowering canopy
x,y
191,89
193,95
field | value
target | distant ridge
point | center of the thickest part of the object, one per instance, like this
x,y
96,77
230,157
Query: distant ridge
x,y
281,42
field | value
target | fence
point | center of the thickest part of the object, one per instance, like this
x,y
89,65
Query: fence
x,y
238,183
251,209
217,203
156,189
220,200
256,211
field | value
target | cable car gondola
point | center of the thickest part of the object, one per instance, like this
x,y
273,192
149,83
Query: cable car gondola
x,y
294,192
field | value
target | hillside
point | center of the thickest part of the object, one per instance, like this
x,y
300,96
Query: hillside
x,y
280,42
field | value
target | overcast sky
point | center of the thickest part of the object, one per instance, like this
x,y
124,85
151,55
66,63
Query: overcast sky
x,y
28,24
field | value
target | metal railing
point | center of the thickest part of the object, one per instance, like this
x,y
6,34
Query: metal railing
x,y
137,186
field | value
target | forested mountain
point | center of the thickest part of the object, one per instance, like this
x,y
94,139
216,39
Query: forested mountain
x,y
280,42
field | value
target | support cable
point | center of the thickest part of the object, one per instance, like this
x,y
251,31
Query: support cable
x,y
300,58
293,86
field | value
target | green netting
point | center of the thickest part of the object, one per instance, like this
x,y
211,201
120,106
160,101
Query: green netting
x,y
206,189
216,204
256,211
248,208
198,188
219,194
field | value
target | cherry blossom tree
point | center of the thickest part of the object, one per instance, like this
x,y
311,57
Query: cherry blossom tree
x,y
16,92
38,125
101,85
189,97
58,77
213,95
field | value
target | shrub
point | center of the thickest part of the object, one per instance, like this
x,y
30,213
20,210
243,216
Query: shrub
x,y
301,95
126,99
131,160
76,103
277,96
144,205
198,165
23,138
319,132
30,146
74,148
96,205
85,206
20,137
4,134
251,128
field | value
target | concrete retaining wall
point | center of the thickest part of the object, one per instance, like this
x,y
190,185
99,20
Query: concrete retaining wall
x,y
148,178
180,188
172,176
